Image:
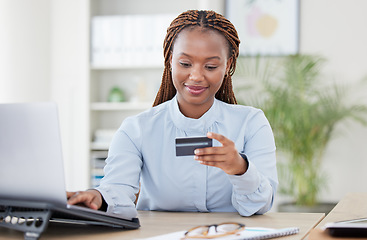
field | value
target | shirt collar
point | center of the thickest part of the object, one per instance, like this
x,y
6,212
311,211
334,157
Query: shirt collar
x,y
201,124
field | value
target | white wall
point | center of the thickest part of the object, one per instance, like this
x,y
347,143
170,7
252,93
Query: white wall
x,y
24,50
44,57
336,29
70,86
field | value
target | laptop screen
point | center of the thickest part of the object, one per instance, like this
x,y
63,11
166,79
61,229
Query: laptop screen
x,y
31,165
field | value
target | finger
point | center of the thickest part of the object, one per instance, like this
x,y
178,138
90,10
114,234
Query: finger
x,y
219,137
70,194
87,198
211,157
78,197
211,163
93,205
209,151
96,199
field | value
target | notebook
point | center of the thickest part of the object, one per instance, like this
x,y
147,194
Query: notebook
x,y
250,233
31,167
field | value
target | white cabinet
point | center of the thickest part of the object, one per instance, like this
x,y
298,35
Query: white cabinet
x,y
139,86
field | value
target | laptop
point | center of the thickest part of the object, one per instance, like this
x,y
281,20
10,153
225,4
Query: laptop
x,y
32,169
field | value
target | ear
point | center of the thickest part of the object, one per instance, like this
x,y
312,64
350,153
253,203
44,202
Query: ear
x,y
170,60
229,63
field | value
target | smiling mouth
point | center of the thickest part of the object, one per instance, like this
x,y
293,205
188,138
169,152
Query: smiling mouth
x,y
195,89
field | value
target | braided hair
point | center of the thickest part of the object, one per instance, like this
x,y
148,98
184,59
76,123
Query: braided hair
x,y
207,20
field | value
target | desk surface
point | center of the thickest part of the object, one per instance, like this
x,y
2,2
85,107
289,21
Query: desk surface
x,y
156,223
352,206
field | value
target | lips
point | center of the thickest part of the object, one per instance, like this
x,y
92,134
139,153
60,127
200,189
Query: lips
x,y
195,89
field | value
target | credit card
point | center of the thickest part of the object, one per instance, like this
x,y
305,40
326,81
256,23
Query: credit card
x,y
186,146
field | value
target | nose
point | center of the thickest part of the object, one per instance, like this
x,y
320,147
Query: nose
x,y
196,74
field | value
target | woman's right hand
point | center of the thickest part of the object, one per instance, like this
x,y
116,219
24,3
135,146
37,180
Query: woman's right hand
x,y
90,198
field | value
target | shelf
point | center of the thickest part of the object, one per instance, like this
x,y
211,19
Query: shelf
x,y
99,146
124,67
119,106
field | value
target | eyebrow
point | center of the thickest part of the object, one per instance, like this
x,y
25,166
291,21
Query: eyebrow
x,y
209,58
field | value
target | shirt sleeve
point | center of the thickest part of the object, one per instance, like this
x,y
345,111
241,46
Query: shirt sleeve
x,y
122,173
254,191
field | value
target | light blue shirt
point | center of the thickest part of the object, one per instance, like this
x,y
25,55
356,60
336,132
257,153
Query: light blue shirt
x,y
143,150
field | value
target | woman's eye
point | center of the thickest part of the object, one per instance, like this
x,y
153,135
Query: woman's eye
x,y
211,67
185,64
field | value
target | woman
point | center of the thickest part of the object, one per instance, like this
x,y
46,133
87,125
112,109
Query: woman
x,y
195,99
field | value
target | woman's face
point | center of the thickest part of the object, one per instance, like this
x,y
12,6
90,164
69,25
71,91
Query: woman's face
x,y
199,62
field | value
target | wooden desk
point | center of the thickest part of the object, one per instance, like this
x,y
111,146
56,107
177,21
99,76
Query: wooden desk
x,y
156,223
353,205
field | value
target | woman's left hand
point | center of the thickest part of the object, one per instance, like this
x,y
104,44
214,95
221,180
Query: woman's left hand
x,y
225,157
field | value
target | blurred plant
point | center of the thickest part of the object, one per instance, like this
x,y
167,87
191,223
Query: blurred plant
x,y
303,112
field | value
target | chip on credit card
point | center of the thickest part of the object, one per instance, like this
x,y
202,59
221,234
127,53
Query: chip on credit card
x,y
186,146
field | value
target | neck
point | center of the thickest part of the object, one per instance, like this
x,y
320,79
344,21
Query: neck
x,y
194,111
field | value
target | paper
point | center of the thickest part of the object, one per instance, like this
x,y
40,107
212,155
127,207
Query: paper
x,y
247,234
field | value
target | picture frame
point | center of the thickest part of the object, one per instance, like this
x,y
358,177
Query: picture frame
x,y
265,27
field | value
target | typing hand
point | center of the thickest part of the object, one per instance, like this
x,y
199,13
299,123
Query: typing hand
x,y
90,198
225,157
